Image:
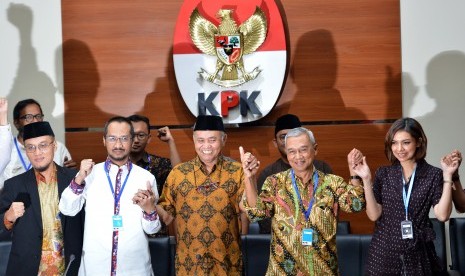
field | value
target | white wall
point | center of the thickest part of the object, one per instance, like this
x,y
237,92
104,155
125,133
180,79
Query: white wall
x,y
30,57
433,65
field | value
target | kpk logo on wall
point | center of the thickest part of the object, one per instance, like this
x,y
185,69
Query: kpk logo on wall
x,y
230,57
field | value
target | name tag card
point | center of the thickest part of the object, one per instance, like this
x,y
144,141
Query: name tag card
x,y
307,236
117,222
407,229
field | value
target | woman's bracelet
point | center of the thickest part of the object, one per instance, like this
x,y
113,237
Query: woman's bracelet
x,y
451,183
356,177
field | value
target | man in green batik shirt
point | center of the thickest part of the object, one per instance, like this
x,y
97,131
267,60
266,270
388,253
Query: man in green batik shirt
x,y
303,204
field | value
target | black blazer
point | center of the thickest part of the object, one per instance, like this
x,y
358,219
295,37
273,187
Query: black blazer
x,y
27,232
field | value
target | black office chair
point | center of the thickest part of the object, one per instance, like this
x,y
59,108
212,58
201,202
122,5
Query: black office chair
x,y
440,241
343,228
352,251
5,247
254,228
457,244
160,255
256,254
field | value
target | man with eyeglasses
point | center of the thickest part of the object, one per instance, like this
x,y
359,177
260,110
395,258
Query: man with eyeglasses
x,y
26,112
119,199
304,204
159,166
44,241
282,126
6,139
202,196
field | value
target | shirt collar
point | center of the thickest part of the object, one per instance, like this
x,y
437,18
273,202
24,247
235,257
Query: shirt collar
x,y
199,165
41,178
108,164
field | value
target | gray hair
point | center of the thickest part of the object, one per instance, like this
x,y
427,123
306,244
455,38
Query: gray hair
x,y
298,131
223,135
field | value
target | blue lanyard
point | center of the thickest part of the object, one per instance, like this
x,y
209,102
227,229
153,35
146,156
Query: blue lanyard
x,y
117,197
148,162
406,197
315,186
21,156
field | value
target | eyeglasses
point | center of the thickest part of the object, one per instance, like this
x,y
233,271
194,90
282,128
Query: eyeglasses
x,y
29,117
114,139
141,135
43,147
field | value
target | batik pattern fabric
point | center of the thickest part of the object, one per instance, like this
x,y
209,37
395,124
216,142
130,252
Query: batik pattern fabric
x,y
159,166
278,200
206,210
276,167
52,261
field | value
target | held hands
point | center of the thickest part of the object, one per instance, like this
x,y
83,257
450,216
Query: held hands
x,y
451,162
357,164
354,158
145,199
250,163
15,211
164,134
84,171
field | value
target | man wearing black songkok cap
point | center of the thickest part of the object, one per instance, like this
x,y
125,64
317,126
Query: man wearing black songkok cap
x,y
202,196
282,126
44,241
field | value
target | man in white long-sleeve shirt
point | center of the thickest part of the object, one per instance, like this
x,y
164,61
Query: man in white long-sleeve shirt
x,y
119,200
6,139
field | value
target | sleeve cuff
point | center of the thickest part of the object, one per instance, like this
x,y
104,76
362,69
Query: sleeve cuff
x,y
76,188
150,216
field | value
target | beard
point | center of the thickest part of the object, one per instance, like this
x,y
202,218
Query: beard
x,y
43,168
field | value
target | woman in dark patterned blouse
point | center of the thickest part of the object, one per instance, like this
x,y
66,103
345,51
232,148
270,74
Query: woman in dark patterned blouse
x,y
399,200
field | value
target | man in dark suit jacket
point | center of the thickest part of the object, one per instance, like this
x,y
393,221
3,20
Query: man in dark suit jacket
x,y
29,211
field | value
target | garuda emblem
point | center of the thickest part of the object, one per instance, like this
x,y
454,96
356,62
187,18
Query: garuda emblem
x,y
229,44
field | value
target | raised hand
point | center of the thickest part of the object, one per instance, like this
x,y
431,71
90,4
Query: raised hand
x,y
358,164
250,163
164,134
84,171
451,162
354,158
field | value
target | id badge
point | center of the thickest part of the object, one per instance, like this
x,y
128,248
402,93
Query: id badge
x,y
117,222
407,229
307,236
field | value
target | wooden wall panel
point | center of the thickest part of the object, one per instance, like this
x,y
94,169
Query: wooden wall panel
x,y
344,61
343,80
